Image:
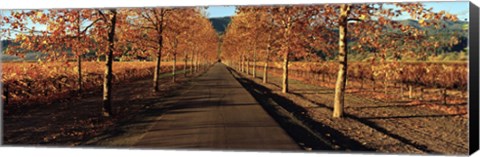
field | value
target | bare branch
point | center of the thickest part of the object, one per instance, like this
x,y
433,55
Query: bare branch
x,y
91,24
354,19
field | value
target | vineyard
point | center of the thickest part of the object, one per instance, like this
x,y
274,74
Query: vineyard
x,y
26,83
318,49
429,75
63,66
315,77
406,81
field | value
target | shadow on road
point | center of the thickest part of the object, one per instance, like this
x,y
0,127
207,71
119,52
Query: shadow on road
x,y
373,125
262,92
290,117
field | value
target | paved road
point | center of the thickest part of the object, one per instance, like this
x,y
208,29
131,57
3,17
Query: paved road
x,y
216,112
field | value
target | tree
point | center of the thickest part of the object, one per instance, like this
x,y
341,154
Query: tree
x,y
257,31
179,22
153,23
260,30
366,28
236,40
293,20
368,22
107,27
67,31
267,38
109,32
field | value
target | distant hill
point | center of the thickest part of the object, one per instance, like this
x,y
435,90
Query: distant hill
x,y
220,23
449,25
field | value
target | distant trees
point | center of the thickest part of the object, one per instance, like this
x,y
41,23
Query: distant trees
x,y
152,22
293,23
168,28
370,21
176,32
329,28
111,33
268,31
66,31
110,19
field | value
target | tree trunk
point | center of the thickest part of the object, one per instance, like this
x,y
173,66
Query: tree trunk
x,y
265,74
196,62
373,85
421,93
107,79
79,65
286,47
361,84
174,67
342,59
445,95
410,91
185,66
385,86
79,58
243,64
248,67
191,65
240,64
6,94
402,93
237,65
285,73
254,68
201,63
265,68
156,74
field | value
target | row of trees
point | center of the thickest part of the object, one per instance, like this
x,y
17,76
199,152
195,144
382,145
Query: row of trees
x,y
109,33
299,32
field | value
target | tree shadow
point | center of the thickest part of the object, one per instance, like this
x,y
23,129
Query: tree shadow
x,y
313,92
403,104
293,108
55,123
384,106
373,125
177,102
415,116
305,130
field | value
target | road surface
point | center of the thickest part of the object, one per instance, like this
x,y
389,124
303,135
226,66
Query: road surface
x,y
216,112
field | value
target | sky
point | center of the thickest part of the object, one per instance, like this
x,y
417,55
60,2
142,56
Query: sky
x,y
461,9
220,11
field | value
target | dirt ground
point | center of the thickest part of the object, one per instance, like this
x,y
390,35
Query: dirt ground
x,y
369,124
77,120
305,113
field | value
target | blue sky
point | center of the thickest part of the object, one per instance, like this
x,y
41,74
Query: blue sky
x,y
458,8
461,9
220,11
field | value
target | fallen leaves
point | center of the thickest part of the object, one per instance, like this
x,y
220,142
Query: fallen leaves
x,y
57,81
